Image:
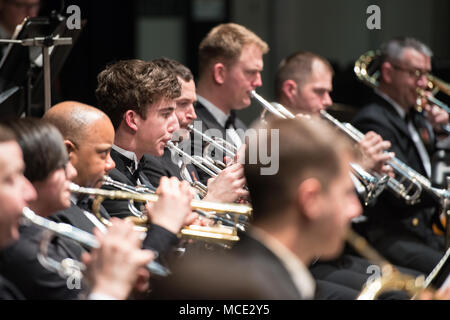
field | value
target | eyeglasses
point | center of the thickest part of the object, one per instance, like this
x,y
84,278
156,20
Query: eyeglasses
x,y
415,73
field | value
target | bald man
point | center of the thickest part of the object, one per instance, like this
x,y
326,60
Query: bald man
x,y
89,135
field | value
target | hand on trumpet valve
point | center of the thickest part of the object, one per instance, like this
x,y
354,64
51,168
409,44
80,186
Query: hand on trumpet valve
x,y
173,208
374,158
118,265
228,186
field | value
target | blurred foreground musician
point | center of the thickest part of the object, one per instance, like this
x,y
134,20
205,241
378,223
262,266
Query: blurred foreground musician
x,y
400,232
227,186
230,65
309,216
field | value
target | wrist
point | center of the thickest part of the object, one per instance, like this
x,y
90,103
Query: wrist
x,y
113,288
169,224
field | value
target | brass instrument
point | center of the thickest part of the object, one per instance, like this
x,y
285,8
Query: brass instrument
x,y
366,70
82,237
108,181
373,185
241,209
139,220
412,191
219,143
221,234
391,278
207,166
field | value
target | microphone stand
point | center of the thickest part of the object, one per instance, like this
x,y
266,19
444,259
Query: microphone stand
x,y
45,43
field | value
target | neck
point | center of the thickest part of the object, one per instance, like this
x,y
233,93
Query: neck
x,y
127,141
392,93
40,208
287,232
212,92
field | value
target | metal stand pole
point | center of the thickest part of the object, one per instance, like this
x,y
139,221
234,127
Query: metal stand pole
x,y
45,43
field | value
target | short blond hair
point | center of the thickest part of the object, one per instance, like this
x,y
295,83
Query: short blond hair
x,y
225,42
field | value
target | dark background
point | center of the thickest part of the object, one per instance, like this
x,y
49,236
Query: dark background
x,y
337,30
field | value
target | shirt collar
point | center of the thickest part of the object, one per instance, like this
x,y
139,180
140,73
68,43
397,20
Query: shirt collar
x,y
218,114
300,275
396,106
128,154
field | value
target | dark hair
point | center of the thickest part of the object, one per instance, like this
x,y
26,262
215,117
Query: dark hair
x,y
297,67
133,85
6,134
175,67
42,147
306,149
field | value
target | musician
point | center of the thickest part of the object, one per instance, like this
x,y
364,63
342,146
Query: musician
x,y
227,187
303,85
230,65
15,191
401,232
308,217
48,168
89,135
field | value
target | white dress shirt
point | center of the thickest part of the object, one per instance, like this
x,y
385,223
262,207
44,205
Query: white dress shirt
x,y
221,118
413,131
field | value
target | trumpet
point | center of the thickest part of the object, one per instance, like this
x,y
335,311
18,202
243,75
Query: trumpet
x,y
410,193
82,237
212,169
144,189
220,234
219,143
417,182
373,185
241,209
108,181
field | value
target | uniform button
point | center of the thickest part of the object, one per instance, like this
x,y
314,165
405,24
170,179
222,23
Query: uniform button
x,y
415,222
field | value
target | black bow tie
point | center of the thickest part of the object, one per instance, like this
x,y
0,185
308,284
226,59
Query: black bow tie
x,y
230,120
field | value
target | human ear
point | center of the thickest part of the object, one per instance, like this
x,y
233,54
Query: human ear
x,y
71,151
309,198
386,72
131,120
219,71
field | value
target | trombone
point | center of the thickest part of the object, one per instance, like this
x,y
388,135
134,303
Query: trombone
x,y
373,185
366,71
82,237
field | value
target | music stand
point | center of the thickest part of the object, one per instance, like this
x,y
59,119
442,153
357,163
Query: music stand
x,y
18,70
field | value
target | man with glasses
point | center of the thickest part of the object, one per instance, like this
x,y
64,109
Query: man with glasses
x,y
403,232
